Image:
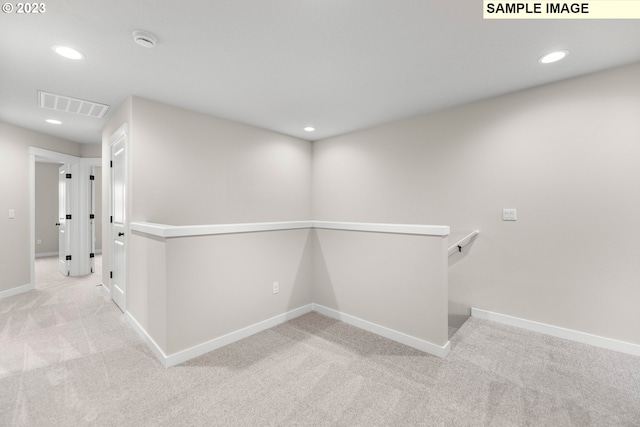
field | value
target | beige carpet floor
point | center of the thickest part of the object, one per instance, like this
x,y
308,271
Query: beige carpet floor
x,y
68,357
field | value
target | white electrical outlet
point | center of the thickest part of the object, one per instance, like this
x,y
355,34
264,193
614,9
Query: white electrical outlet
x,y
276,287
509,215
12,213
39,242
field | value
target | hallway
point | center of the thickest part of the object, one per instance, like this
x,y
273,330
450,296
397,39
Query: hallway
x,y
69,357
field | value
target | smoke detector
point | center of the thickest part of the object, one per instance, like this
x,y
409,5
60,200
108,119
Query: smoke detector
x,y
144,38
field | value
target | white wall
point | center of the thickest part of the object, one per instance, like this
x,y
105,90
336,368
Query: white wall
x,y
14,189
220,284
565,155
193,293
46,211
189,168
147,295
398,281
89,151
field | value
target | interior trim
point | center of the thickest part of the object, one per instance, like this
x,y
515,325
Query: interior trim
x,y
168,231
198,350
417,343
559,332
425,230
151,343
17,290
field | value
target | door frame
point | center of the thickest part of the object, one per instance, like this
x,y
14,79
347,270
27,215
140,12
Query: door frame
x,y
122,132
65,191
42,155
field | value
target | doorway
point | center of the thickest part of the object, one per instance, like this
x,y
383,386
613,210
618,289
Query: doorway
x,y
75,248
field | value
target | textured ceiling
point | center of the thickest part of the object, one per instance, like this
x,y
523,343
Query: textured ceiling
x,y
282,65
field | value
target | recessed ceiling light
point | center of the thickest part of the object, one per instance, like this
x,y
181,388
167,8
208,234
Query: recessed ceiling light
x,y
553,56
54,122
68,52
309,129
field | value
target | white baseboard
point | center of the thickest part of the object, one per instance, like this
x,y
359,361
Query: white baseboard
x,y
216,343
556,331
198,350
155,348
15,291
417,343
105,291
46,254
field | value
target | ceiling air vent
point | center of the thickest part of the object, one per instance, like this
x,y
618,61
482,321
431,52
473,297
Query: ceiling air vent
x,y
68,104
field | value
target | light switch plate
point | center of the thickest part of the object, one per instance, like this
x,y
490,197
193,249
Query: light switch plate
x,y
12,213
509,215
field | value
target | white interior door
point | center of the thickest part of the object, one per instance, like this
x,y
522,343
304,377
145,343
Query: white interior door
x,y
64,209
118,221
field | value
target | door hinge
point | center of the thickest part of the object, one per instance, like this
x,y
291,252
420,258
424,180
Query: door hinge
x,y
68,216
92,255
92,216
111,219
68,176
110,163
111,275
91,177
68,258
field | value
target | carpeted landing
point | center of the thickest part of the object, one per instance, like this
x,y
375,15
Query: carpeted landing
x,y
68,357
